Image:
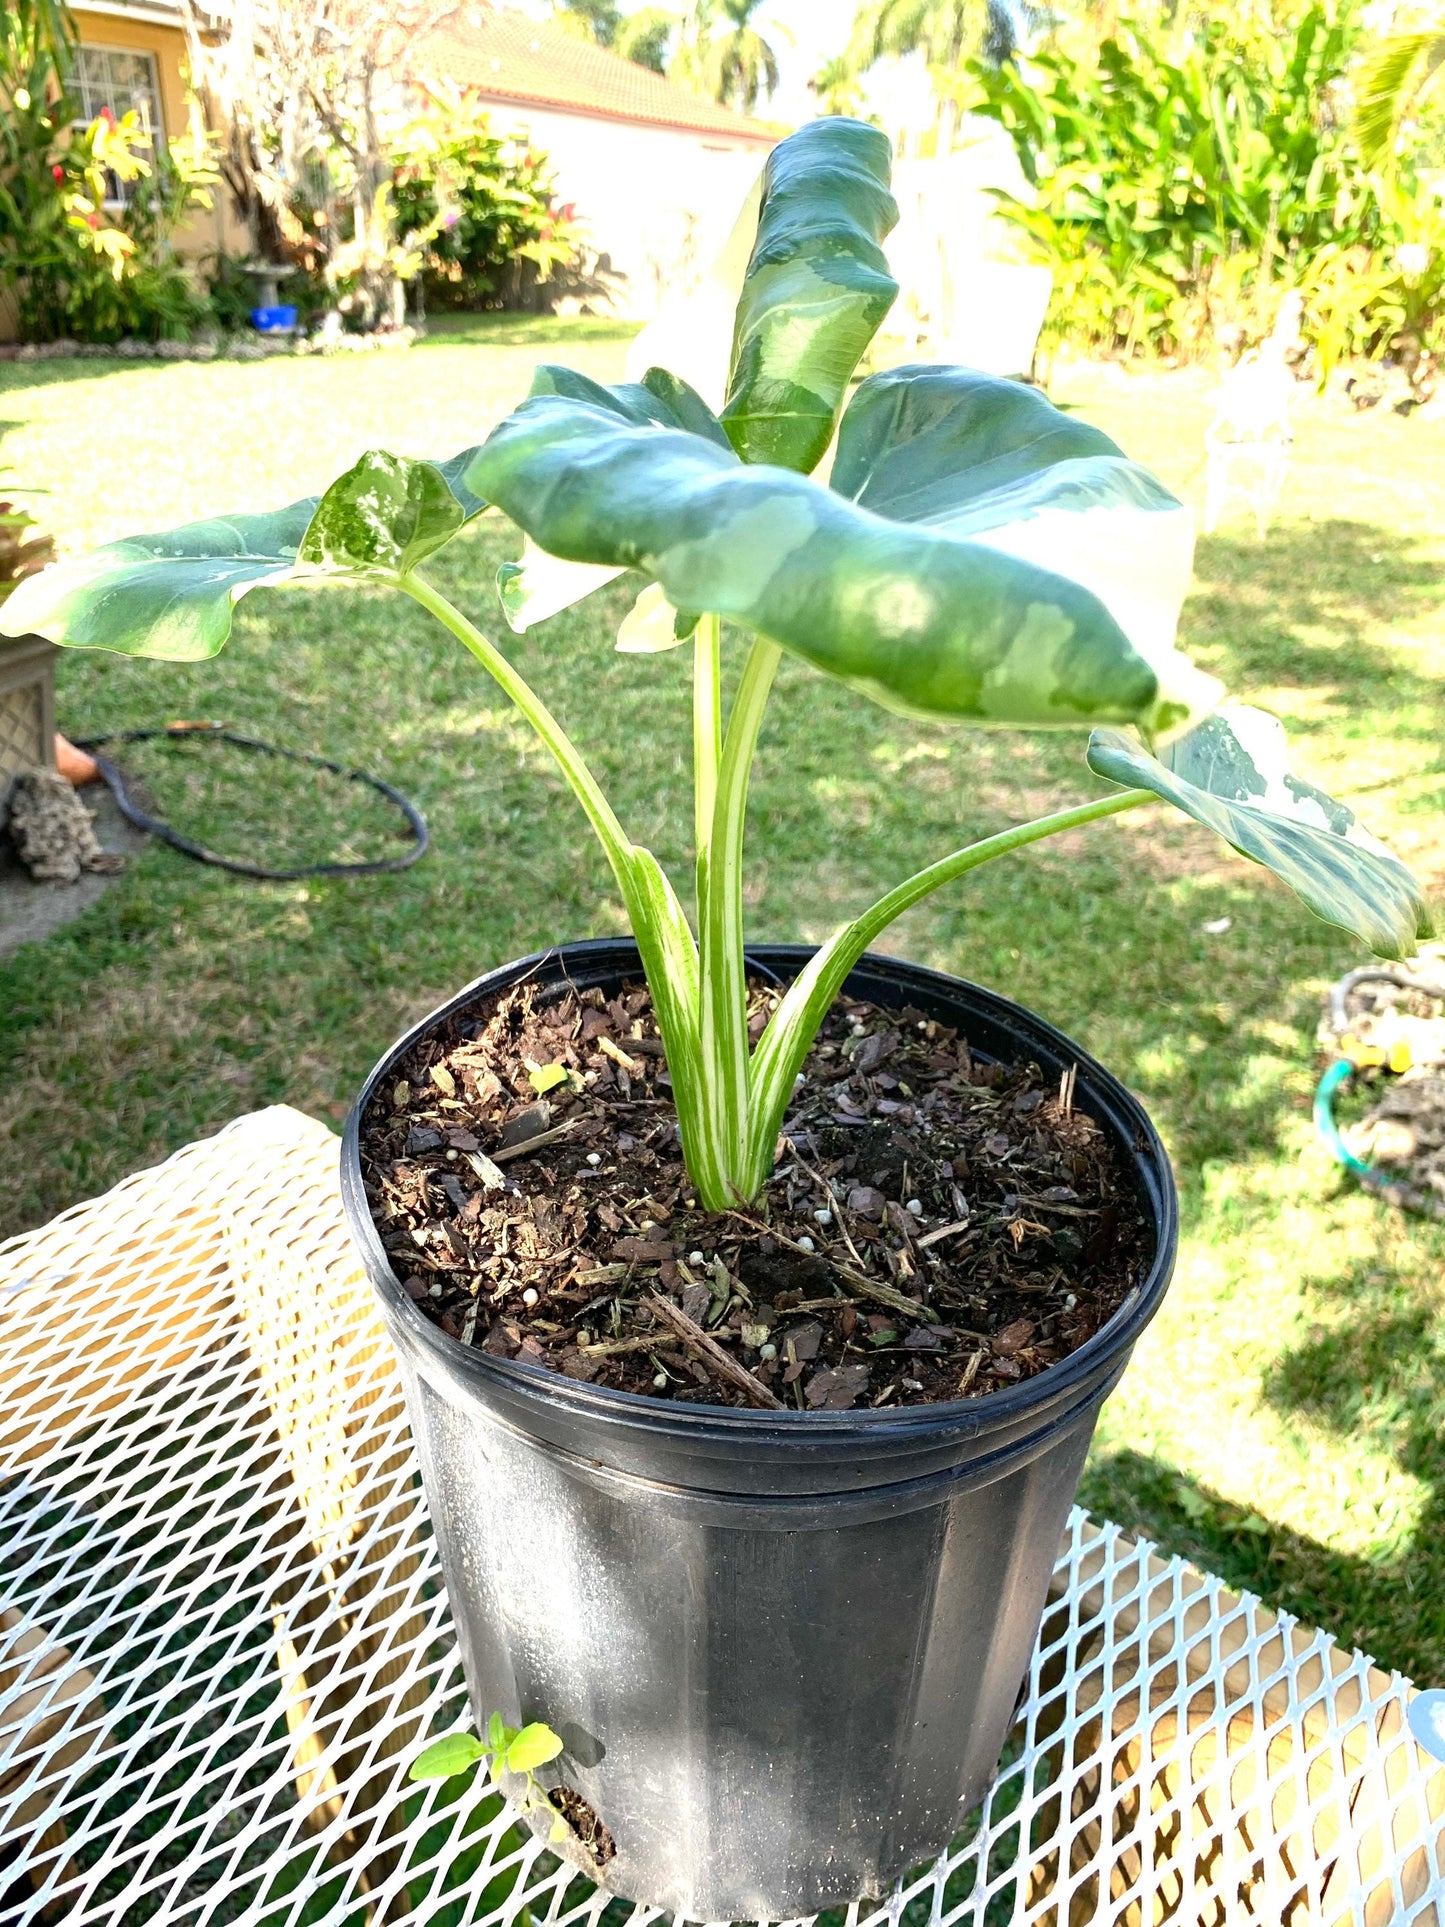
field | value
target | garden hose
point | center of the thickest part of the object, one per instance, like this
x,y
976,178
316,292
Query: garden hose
x,y
218,733
1358,1055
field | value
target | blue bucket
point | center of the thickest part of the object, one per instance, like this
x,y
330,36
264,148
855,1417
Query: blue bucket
x,y
273,321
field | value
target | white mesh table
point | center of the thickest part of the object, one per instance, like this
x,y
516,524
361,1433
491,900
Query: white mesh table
x,y
223,1633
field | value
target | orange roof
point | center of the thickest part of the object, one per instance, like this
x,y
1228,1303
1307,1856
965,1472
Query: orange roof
x,y
509,56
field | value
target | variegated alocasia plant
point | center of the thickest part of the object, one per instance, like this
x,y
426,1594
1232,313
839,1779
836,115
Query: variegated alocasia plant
x,y
974,555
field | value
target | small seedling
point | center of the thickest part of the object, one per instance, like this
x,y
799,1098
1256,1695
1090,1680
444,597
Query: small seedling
x,y
513,1749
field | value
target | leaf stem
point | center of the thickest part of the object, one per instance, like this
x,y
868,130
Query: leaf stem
x,y
659,923
707,729
723,971
808,999
600,815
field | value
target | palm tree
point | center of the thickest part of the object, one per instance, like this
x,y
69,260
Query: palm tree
x,y
1389,81
737,63
944,32
837,87
644,36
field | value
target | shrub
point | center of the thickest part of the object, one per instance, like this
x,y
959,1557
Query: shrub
x,y
1187,175
76,269
479,205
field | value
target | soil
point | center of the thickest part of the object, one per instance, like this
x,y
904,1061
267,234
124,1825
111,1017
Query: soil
x,y
582,1818
935,1226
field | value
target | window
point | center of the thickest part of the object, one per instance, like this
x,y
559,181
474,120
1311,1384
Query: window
x,y
124,81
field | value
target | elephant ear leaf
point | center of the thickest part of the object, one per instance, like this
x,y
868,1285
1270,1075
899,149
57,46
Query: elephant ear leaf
x,y
541,585
1232,775
172,595
384,516
816,290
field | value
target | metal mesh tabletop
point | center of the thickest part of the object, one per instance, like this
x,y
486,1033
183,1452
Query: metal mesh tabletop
x,y
223,1632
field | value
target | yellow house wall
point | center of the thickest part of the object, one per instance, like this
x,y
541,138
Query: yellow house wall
x,y
205,232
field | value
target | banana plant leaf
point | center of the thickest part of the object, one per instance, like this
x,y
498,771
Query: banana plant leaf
x,y
172,595
815,292
977,556
1232,775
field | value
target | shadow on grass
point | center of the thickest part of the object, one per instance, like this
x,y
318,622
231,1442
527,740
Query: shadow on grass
x,y
1372,1372
1309,609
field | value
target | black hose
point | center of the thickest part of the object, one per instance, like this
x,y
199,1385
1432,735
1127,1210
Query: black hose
x,y
216,732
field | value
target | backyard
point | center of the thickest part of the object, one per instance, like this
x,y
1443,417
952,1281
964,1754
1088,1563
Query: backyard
x,y
1284,1421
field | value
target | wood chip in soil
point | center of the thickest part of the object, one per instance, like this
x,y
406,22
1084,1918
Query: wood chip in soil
x,y
935,1227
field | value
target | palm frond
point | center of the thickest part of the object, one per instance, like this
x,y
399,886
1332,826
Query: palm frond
x,y
1388,82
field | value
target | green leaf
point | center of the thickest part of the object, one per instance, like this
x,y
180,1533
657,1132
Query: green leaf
x,y
384,516
914,595
1232,774
546,1077
816,289
532,1747
498,1733
541,584
160,595
446,1757
994,462
1387,84
172,595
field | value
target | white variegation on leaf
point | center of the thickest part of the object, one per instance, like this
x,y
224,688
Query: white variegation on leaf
x,y
540,585
650,627
692,332
1138,561
1232,774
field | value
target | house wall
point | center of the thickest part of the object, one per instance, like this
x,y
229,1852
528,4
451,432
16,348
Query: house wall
x,y
658,201
205,232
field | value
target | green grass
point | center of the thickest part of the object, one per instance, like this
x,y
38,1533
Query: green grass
x,y
1284,1420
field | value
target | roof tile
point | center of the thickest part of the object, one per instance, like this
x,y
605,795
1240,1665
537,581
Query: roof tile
x,y
507,55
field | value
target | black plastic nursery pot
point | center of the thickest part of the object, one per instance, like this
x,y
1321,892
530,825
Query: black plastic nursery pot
x,y
783,1648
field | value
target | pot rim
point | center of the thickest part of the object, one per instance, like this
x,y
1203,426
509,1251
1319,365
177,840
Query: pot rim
x,y
695,1423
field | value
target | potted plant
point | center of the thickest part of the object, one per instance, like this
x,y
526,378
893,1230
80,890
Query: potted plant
x,y
748,1473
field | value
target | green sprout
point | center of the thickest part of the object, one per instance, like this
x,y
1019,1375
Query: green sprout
x,y
510,1749
974,556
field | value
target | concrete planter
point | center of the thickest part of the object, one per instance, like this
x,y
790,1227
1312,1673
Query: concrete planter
x,y
27,710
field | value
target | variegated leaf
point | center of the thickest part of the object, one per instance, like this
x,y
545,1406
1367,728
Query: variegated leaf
x,y
1232,774
923,610
172,595
975,456
816,290
541,585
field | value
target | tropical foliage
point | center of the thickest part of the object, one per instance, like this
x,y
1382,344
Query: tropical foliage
x,y
1391,80
77,258
974,556
1187,172
22,552
475,206
1181,173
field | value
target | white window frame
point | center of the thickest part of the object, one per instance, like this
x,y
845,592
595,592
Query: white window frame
x,y
93,97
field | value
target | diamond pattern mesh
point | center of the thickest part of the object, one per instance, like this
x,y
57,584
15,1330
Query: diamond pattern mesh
x,y
21,746
223,1632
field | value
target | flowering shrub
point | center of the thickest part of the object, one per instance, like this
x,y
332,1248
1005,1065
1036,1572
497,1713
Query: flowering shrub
x,y
478,205
74,266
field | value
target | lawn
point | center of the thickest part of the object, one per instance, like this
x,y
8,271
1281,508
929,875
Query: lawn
x,y
1284,1420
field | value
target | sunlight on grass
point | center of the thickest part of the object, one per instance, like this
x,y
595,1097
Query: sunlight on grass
x,y
1284,1420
